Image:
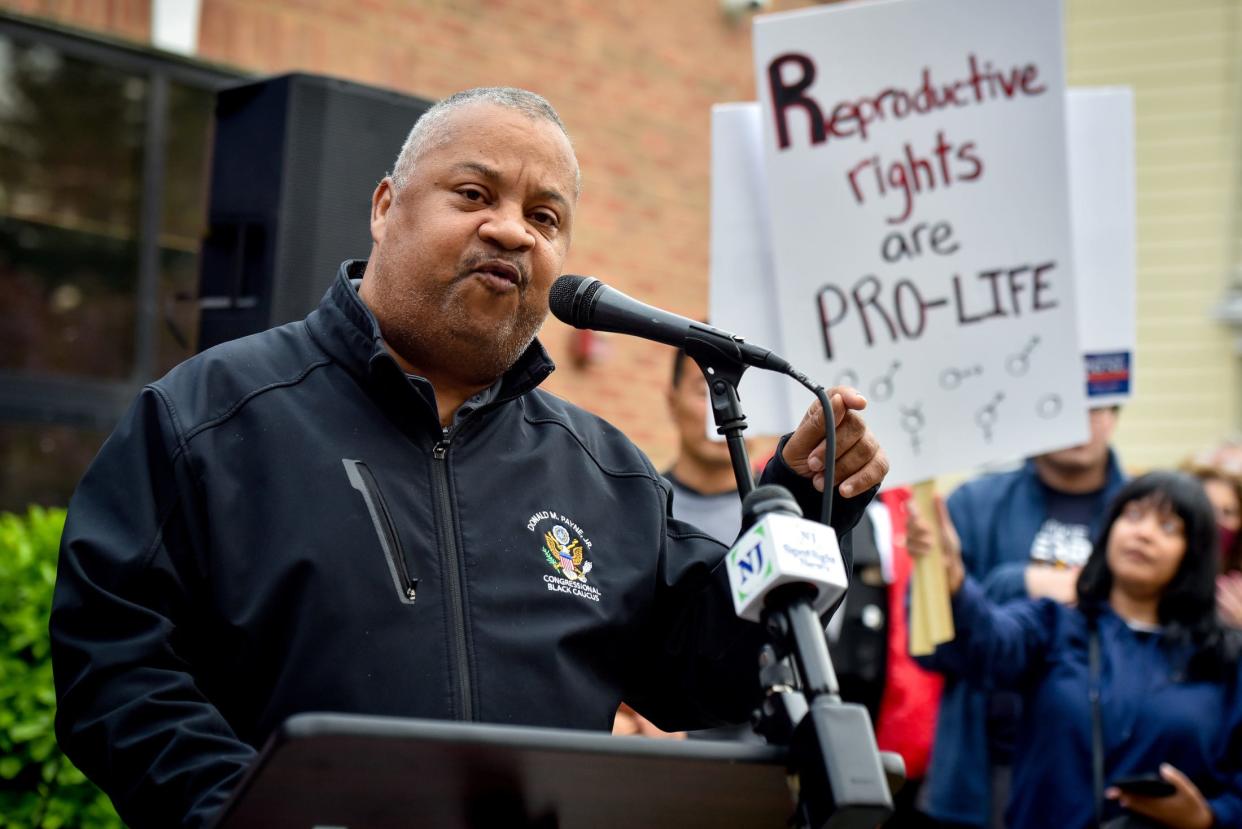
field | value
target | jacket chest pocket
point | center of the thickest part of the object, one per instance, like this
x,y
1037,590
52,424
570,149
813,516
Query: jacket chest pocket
x,y
363,480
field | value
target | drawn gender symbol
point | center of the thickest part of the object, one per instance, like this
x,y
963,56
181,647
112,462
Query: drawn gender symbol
x,y
882,387
848,378
912,421
1018,364
987,415
1049,406
951,378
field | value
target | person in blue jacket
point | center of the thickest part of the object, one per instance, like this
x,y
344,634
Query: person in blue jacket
x,y
1025,533
1167,675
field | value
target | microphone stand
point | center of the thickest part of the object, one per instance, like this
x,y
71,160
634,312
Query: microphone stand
x,y
802,705
723,373
843,781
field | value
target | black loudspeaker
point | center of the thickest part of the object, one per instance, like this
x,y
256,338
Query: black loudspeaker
x,y
295,161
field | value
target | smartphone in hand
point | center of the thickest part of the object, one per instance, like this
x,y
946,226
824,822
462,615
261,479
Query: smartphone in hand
x,y
1145,785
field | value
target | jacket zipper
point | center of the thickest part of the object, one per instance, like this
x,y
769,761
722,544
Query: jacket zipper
x,y
362,479
454,571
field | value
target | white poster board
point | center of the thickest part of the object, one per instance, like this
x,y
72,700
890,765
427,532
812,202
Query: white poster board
x,y
742,286
1100,131
1100,127
1100,124
916,167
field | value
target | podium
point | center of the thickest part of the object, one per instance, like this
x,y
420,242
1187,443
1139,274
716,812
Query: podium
x,y
337,771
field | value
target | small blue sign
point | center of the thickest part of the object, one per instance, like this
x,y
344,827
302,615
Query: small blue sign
x,y
1108,374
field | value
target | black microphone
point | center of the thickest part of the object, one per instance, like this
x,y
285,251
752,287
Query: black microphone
x,y
766,500
585,302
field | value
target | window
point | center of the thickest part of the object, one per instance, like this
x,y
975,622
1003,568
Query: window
x,y
104,170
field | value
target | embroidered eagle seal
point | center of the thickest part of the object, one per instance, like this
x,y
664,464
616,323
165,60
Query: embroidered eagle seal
x,y
565,554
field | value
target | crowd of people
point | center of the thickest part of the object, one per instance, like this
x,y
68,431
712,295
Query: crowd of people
x,y
1034,728
1128,689
377,510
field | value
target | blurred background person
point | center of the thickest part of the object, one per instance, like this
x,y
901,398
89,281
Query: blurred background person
x,y
1224,490
911,695
701,474
868,635
1025,533
1138,679
705,495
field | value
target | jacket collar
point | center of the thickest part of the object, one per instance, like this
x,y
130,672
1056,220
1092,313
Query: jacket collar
x,y
1112,479
344,327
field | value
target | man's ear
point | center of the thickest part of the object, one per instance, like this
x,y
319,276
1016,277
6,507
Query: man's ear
x,y
381,201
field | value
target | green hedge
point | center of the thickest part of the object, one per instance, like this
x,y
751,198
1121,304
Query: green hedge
x,y
39,787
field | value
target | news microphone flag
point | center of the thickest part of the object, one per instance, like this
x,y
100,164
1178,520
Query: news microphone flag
x,y
785,549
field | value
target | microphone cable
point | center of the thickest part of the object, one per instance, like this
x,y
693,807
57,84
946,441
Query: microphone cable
x,y
830,441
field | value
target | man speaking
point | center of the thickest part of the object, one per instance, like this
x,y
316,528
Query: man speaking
x,y
376,510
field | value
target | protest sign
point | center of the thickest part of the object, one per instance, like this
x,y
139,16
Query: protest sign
x,y
915,159
1100,133
1100,124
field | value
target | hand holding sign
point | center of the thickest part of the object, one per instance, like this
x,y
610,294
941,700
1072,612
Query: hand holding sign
x,y
932,541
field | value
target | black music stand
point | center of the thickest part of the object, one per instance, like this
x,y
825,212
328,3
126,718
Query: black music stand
x,y
337,771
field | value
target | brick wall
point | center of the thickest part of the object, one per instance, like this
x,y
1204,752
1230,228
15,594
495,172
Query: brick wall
x,y
130,19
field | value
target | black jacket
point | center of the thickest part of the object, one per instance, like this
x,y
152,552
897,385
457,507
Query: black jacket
x,y
280,525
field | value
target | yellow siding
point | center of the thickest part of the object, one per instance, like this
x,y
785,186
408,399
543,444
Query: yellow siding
x,y
1183,62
